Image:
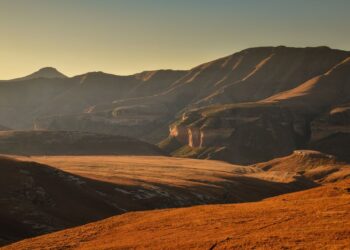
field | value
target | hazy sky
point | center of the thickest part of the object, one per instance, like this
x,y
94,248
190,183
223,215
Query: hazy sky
x,y
127,36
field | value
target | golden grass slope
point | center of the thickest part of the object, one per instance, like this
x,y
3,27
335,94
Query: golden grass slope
x,y
37,197
315,219
170,182
160,182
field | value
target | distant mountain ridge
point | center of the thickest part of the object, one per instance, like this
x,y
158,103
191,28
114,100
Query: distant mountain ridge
x,y
47,72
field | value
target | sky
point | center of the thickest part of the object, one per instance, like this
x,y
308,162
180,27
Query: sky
x,y
129,36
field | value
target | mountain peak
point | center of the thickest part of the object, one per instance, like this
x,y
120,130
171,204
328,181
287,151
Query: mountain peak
x,y
48,69
46,72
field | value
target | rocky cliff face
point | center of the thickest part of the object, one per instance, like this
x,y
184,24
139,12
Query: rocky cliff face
x,y
244,133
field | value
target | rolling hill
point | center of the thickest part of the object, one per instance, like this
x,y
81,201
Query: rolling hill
x,y
42,194
316,218
37,199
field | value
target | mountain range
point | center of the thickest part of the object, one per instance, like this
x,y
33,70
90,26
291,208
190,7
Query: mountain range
x,y
249,107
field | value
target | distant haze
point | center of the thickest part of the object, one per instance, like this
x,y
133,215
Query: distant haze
x,y
124,37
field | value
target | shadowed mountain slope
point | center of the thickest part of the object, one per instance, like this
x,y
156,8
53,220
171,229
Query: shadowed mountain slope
x,y
319,93
337,144
280,69
71,143
25,100
251,73
331,132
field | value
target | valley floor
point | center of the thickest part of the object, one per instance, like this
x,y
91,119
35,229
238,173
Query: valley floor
x,y
164,182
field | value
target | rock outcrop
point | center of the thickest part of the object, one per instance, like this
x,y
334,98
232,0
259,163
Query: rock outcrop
x,y
243,133
313,165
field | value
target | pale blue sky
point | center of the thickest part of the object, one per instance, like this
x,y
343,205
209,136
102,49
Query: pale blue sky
x,y
128,36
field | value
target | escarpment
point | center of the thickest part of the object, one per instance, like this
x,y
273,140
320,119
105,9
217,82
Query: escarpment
x,y
244,133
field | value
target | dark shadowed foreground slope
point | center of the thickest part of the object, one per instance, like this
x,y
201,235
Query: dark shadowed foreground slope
x,y
37,199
